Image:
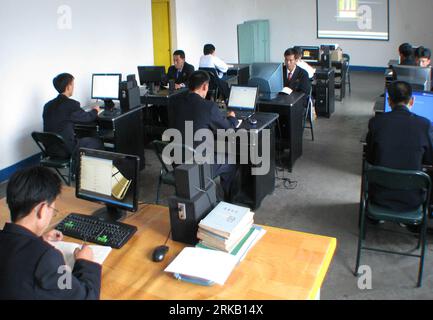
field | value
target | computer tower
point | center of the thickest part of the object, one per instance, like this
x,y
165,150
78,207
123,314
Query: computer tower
x,y
325,93
129,96
188,182
186,214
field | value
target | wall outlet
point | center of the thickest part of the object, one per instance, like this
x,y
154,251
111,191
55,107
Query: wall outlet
x,y
181,207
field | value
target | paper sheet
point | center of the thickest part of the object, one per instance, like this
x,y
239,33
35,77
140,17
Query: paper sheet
x,y
100,253
202,263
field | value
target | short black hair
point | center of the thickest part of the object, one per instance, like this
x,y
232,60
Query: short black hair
x,y
62,81
400,92
197,79
29,187
179,53
208,49
422,52
406,50
292,52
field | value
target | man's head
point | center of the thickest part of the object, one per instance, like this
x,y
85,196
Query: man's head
x,y
31,194
400,94
179,59
199,83
64,83
208,49
423,56
291,58
406,51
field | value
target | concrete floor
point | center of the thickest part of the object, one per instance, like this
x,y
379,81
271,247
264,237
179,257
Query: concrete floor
x,y
326,202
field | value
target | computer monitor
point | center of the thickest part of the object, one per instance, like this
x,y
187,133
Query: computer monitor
x,y
151,75
268,77
423,105
108,178
418,77
106,87
309,53
242,98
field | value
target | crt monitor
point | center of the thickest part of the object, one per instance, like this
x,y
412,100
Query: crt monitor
x,y
418,77
108,178
106,87
309,53
242,98
268,77
151,75
423,105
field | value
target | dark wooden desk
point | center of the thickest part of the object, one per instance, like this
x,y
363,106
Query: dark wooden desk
x,y
290,109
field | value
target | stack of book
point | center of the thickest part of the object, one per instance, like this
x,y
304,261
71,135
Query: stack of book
x,y
229,228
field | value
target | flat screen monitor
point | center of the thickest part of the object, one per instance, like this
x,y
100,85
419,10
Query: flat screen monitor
x,y
151,74
106,86
309,53
242,98
419,77
423,105
108,178
268,77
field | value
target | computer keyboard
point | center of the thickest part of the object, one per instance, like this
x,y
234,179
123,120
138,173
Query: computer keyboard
x,y
92,229
243,114
110,113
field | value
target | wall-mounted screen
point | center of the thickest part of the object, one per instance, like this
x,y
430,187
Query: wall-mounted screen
x,y
353,19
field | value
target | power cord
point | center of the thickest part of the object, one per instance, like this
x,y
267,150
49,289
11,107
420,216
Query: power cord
x,y
207,193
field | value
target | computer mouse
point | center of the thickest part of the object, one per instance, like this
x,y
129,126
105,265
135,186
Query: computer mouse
x,y
252,121
159,253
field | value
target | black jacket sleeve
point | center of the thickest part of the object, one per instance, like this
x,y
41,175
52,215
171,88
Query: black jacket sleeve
x,y
53,281
428,155
219,121
304,83
369,151
78,115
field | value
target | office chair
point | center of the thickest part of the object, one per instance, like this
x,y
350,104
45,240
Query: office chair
x,y
346,57
213,92
166,174
309,114
404,180
55,154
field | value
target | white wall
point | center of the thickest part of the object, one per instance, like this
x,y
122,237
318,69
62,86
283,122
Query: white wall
x,y
106,36
293,22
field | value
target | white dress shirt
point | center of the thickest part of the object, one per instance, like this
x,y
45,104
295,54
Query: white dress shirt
x,y
310,70
211,61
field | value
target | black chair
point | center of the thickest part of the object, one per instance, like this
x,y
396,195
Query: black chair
x,y
55,154
166,175
309,114
213,92
346,57
404,180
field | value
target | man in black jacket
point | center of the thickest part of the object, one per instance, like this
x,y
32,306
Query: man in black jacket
x,y
295,77
30,268
400,140
407,55
204,114
61,113
180,70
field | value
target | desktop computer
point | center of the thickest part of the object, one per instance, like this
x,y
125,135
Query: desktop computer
x,y
106,87
423,105
111,179
151,76
268,77
418,77
243,100
309,53
129,94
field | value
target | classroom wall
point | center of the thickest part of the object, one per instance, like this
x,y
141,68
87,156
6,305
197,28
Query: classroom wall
x,y
294,23
105,36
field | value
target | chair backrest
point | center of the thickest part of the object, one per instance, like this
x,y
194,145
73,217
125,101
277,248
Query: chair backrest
x,y
213,84
346,57
51,144
159,147
394,179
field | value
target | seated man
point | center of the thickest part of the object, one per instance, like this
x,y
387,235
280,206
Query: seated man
x,y
31,268
180,71
210,61
407,57
204,114
304,65
61,113
399,140
423,57
295,78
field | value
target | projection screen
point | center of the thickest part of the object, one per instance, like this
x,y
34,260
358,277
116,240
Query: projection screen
x,y
353,19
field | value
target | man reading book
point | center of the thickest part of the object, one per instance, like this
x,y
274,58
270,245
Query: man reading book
x,y
30,268
295,78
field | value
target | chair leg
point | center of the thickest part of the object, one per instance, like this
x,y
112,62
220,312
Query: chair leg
x,y
361,237
350,86
158,189
62,176
423,236
311,124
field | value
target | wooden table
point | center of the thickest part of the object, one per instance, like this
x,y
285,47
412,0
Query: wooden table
x,y
283,265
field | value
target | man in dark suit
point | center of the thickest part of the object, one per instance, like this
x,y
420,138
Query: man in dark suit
x,y
399,140
295,77
180,70
30,267
407,55
204,114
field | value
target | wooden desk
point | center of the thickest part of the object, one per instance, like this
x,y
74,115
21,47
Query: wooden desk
x,y
283,265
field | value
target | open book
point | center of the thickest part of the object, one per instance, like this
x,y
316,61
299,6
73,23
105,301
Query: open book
x,y
119,184
287,91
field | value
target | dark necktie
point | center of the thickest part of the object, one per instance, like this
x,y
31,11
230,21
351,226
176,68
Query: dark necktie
x,y
290,76
177,74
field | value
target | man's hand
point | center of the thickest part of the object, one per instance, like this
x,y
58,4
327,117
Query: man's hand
x,y
177,86
97,108
53,235
85,253
231,114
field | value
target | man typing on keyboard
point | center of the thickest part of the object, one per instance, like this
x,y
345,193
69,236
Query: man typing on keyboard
x,y
30,268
